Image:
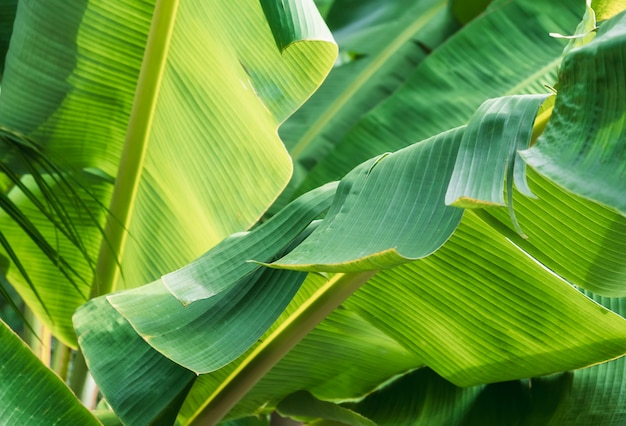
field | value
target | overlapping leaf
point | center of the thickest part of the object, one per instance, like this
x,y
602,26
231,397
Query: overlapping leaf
x,y
448,86
329,362
583,148
380,43
589,396
225,86
387,211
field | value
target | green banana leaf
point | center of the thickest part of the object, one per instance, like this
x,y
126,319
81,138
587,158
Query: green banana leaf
x,y
608,222
593,395
478,310
7,15
216,82
596,146
376,56
31,393
481,61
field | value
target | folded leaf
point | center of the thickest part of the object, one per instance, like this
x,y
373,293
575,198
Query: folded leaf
x,y
479,311
494,134
231,260
583,146
142,385
387,211
209,333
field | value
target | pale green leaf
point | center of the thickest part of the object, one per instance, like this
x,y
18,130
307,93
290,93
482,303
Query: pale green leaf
x,y
578,239
591,396
210,98
480,311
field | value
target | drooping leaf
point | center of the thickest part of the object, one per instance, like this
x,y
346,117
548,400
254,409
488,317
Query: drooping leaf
x,y
142,386
329,362
448,86
31,393
230,293
449,310
214,89
231,260
480,311
592,395
209,333
388,210
578,239
583,146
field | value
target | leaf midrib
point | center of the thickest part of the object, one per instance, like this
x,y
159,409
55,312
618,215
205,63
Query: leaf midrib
x,y
135,147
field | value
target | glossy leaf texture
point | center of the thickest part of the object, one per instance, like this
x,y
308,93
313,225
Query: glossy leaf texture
x,y
584,149
217,87
431,312
381,43
449,85
387,211
31,393
593,395
229,292
495,277
163,384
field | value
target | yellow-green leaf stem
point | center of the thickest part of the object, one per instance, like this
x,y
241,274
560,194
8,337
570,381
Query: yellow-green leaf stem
x,y
266,355
135,147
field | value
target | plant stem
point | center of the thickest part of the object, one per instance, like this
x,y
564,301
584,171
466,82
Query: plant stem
x,y
276,346
78,376
61,360
39,338
135,148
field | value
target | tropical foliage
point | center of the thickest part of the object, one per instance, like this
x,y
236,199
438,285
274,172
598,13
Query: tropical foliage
x,y
439,231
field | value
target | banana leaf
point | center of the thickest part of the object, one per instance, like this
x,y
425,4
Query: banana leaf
x,y
31,393
216,82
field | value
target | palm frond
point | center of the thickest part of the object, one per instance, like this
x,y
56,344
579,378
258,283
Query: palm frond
x,y
56,193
